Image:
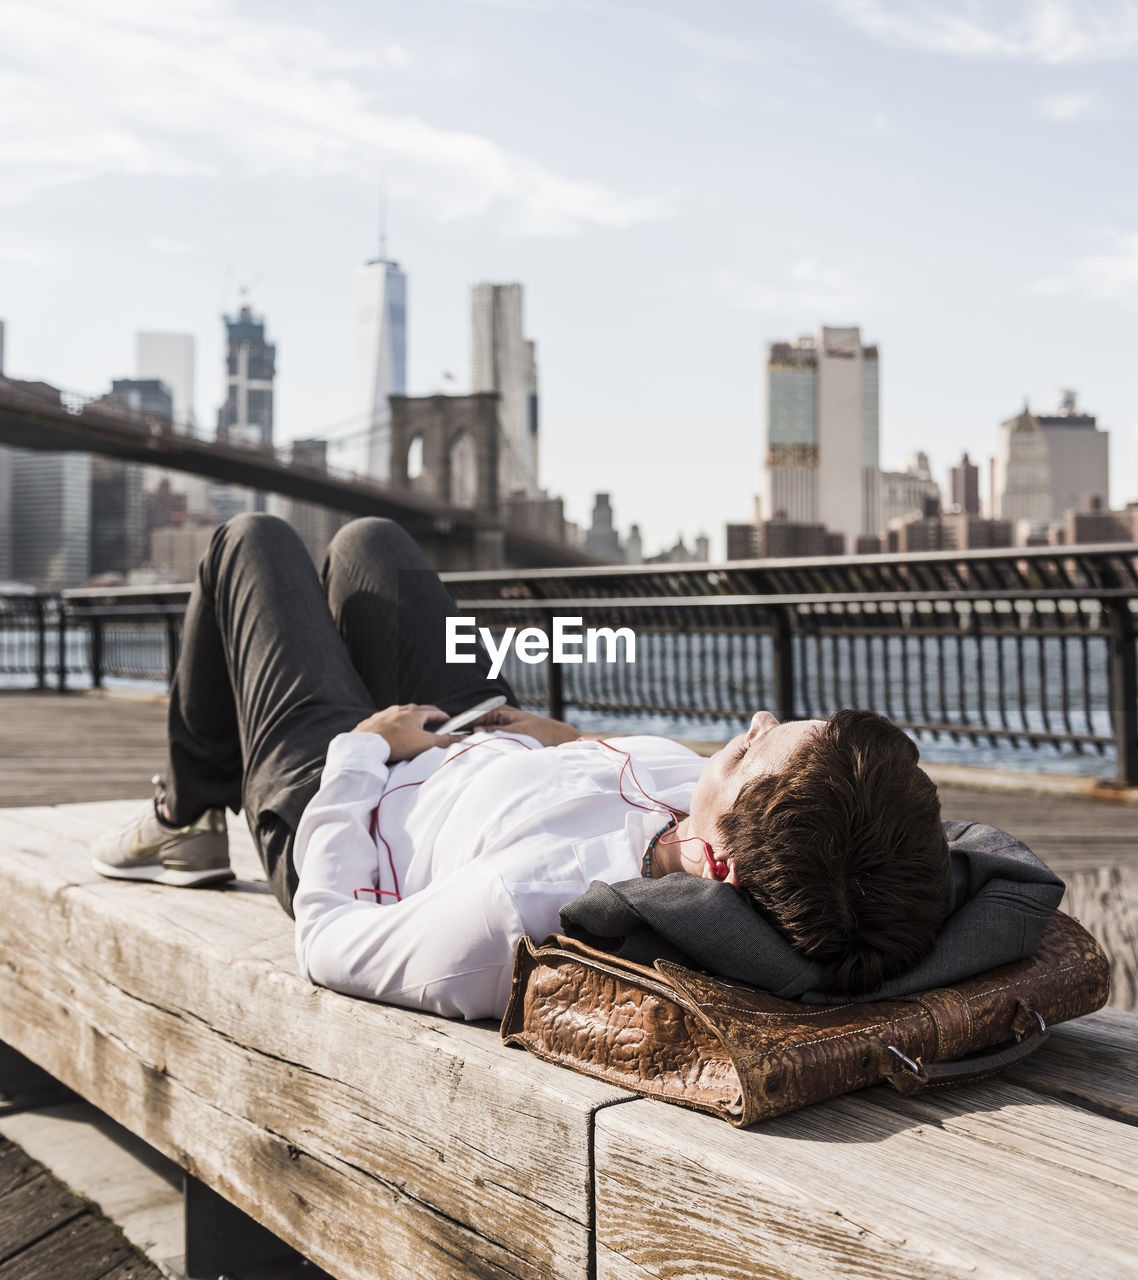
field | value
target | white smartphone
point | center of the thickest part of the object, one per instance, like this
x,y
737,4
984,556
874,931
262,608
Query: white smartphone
x,y
460,721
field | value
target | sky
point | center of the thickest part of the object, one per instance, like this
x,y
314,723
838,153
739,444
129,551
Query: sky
x,y
675,185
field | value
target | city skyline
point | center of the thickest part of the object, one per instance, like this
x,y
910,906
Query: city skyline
x,y
941,176
822,427
793,419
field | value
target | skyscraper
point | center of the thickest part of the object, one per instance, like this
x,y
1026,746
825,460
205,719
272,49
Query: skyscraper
x,y
602,539
1049,464
246,417
822,432
1079,454
1021,480
118,539
316,524
502,360
964,483
51,509
911,491
6,456
381,359
5,493
169,358
48,498
143,395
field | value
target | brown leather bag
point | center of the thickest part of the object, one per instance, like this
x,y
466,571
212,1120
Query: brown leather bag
x,y
673,1033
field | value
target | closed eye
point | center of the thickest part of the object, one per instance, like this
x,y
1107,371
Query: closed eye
x,y
742,751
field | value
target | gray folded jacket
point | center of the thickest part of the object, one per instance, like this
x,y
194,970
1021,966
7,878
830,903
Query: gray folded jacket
x,y
1001,898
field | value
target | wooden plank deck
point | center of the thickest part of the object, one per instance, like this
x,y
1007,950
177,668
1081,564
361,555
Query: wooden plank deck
x,y
61,748
48,1232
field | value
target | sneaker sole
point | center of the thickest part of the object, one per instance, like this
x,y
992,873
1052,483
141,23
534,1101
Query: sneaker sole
x,y
165,875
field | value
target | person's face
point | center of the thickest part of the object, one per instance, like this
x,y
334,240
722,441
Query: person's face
x,y
763,749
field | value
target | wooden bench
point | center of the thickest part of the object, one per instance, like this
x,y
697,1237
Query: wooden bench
x,y
382,1142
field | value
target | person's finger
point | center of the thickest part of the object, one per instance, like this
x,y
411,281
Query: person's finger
x,y
489,717
502,715
429,713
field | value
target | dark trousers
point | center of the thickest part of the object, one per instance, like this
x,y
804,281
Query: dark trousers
x,y
276,661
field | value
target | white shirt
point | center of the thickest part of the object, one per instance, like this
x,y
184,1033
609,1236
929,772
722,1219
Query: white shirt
x,y
500,834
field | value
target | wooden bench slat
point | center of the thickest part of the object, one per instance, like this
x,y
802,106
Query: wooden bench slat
x,y
353,1130
869,1187
1084,1147
68,830
1092,1062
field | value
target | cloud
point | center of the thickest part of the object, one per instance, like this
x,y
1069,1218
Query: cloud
x,y
707,44
114,87
1049,31
802,291
705,91
1065,108
24,255
160,244
537,6
1110,276
701,41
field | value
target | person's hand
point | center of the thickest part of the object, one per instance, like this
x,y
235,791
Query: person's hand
x,y
548,732
404,729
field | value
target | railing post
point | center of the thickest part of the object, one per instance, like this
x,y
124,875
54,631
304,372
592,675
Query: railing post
x,y
96,627
1124,690
783,675
555,686
41,644
171,648
61,665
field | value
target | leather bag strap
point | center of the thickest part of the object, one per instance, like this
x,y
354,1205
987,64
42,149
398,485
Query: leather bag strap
x,y
911,1077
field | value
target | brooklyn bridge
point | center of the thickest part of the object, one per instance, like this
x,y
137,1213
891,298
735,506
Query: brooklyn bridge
x,y
36,415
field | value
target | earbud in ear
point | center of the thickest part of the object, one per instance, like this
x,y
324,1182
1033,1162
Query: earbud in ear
x,y
719,869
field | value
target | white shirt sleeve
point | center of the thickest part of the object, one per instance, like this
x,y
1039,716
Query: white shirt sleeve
x,y
448,948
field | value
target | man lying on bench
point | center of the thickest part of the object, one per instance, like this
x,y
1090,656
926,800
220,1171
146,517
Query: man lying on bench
x,y
413,861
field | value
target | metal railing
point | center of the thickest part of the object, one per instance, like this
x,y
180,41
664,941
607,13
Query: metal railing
x,y
1026,648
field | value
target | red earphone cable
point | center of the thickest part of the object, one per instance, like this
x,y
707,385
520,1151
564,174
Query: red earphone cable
x,y
659,807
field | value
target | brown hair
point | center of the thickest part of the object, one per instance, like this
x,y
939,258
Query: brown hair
x,y
844,852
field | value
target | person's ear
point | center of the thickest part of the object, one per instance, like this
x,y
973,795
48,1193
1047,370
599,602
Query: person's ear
x,y
715,868
732,875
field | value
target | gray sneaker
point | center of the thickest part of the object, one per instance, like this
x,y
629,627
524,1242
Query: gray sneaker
x,y
148,849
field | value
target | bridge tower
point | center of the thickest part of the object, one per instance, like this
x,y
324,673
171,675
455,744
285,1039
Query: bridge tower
x,y
447,448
